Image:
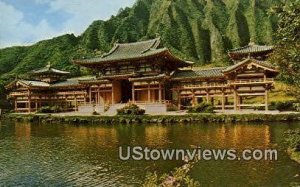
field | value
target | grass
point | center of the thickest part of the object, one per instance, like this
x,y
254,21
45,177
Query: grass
x,y
279,94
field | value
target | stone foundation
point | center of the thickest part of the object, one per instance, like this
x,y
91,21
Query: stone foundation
x,y
155,108
91,108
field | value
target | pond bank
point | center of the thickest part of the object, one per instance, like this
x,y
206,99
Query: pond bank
x,y
160,119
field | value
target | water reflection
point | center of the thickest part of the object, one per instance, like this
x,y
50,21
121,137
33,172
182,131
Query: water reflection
x,y
100,137
22,130
157,136
33,154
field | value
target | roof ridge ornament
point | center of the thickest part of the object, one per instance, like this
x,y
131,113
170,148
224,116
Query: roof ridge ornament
x,y
251,42
49,65
249,56
155,44
116,46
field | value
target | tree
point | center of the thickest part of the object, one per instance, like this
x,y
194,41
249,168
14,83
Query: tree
x,y
287,51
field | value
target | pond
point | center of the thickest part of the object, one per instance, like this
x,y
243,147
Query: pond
x,y
87,155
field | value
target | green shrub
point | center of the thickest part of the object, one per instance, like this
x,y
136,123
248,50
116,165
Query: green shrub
x,y
45,109
260,108
172,107
296,106
131,109
282,106
177,177
56,109
292,138
95,113
106,108
50,109
202,108
272,106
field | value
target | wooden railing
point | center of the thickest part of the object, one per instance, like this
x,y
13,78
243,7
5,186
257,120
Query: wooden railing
x,y
151,102
18,93
247,81
223,85
211,85
49,95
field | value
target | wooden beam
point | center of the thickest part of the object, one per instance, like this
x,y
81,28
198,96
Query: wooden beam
x,y
252,94
250,105
16,105
75,103
266,100
90,95
223,101
193,98
178,99
250,75
29,101
133,93
36,105
113,96
235,99
159,93
207,95
149,93
98,97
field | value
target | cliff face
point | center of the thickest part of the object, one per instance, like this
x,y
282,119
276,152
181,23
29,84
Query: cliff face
x,y
198,30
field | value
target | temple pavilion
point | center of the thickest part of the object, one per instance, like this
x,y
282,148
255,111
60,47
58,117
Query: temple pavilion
x,y
149,75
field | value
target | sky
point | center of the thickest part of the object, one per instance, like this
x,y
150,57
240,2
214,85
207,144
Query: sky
x,y
24,22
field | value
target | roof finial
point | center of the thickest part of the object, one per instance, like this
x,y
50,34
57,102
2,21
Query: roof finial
x,y
157,35
17,77
49,65
249,55
251,42
116,42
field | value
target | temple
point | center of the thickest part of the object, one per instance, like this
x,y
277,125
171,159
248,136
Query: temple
x,y
147,74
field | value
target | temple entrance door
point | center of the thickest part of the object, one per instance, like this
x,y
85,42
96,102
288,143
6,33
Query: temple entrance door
x,y
126,91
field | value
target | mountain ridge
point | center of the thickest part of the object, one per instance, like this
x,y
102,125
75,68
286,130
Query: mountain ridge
x,y
197,30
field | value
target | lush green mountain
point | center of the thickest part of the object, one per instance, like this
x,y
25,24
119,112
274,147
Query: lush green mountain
x,y
198,30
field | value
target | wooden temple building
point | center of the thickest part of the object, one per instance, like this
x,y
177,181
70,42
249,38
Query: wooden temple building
x,y
148,75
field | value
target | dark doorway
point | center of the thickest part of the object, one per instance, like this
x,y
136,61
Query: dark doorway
x,y
126,91
186,102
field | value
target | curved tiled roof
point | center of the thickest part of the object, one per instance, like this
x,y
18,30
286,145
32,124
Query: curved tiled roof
x,y
49,70
154,77
74,82
201,73
34,83
67,83
131,51
264,64
251,48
